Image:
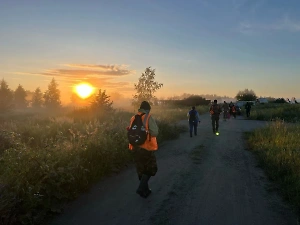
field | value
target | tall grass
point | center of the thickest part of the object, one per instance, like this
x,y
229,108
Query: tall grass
x,y
47,161
278,149
272,111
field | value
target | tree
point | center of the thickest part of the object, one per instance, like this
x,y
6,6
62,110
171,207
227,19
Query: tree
x,y
246,95
146,87
52,96
6,96
20,97
102,102
37,98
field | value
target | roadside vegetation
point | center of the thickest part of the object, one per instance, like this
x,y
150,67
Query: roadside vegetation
x,y
279,111
48,161
277,147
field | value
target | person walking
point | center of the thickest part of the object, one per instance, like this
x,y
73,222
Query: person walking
x,y
230,108
248,108
144,157
215,111
225,110
194,119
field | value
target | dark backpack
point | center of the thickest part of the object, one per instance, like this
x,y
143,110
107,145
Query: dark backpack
x,y
192,116
215,110
137,133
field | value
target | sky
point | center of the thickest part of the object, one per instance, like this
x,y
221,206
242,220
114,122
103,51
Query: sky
x,y
196,46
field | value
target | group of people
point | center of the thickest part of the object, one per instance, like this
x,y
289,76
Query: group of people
x,y
143,154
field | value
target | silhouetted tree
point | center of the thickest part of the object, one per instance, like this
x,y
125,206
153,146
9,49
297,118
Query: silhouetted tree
x,y
146,87
246,95
52,96
6,96
37,98
20,97
102,102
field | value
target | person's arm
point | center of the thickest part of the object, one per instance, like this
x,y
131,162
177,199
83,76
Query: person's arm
x,y
153,128
198,117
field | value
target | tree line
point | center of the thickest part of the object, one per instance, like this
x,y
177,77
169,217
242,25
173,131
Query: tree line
x,y
17,99
50,99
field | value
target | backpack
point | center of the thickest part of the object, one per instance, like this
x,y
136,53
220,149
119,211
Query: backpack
x,y
137,133
215,110
192,115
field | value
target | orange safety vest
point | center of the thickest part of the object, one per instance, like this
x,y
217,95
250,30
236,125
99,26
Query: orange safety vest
x,y
151,142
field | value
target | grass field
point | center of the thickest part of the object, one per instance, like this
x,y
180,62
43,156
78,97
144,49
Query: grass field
x,y
277,147
272,111
47,160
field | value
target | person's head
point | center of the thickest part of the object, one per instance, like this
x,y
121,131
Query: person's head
x,y
224,102
215,101
193,107
145,105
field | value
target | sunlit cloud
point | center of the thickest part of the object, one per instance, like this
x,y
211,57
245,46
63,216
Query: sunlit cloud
x,y
99,76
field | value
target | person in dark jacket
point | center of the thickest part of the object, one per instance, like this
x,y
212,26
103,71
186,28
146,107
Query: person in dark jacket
x,y
194,119
248,108
215,111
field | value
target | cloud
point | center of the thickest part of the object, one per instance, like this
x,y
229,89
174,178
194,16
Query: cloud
x,y
85,70
285,24
100,76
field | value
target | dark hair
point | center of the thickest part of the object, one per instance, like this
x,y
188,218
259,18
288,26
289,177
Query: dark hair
x,y
145,105
193,107
215,100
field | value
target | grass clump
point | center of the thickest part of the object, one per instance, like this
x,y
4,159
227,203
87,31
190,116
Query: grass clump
x,y
278,149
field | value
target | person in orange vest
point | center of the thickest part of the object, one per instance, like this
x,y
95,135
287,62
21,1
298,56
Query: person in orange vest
x,y
144,157
233,109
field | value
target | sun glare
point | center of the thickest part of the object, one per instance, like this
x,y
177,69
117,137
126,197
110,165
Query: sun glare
x,y
84,90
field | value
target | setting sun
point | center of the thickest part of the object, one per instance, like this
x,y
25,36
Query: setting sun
x,y
84,90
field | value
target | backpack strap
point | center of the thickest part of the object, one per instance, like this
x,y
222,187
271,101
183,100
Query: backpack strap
x,y
146,123
146,120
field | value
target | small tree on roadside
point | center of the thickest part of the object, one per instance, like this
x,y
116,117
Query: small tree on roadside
x,y
146,87
246,95
37,98
20,97
101,102
6,96
52,96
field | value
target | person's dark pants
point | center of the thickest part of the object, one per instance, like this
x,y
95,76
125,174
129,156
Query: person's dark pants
x,y
215,123
193,127
145,162
225,114
248,113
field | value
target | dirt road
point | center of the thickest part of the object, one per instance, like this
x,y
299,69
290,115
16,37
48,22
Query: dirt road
x,y
207,180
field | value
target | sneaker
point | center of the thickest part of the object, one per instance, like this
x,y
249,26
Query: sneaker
x,y
145,193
